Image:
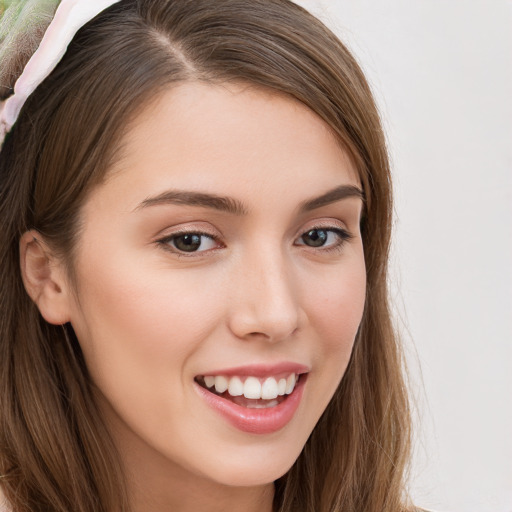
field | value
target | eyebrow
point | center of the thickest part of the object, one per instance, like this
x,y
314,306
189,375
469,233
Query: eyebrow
x,y
332,196
236,207
190,198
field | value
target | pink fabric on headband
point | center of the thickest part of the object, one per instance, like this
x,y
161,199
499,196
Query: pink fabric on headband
x,y
70,16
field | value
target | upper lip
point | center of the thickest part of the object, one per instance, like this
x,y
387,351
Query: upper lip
x,y
260,370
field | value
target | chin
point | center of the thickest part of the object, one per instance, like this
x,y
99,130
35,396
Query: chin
x,y
250,475
257,467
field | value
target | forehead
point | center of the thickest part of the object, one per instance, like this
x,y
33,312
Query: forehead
x,y
231,139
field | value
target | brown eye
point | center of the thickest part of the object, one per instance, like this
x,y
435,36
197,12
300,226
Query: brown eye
x,y
187,243
325,238
315,237
190,242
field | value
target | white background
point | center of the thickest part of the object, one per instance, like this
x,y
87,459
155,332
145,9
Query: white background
x,y
442,74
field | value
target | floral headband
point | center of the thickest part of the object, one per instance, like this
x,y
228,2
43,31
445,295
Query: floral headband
x,y
70,16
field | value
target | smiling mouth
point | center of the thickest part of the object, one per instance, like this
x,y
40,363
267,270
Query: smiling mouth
x,y
250,392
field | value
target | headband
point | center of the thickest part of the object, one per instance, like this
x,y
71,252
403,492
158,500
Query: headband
x,y
70,17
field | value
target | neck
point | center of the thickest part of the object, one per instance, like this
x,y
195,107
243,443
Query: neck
x,y
164,495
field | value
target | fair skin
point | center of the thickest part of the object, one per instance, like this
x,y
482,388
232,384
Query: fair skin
x,y
172,287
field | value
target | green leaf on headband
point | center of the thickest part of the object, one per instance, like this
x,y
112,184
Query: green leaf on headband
x,y
22,14
22,26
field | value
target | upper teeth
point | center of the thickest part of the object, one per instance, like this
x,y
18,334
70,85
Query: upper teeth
x,y
252,387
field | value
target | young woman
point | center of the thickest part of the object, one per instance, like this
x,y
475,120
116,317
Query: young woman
x,y
195,211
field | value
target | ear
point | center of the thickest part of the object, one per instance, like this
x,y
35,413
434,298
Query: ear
x,y
44,278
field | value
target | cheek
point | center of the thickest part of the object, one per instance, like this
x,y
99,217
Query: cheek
x,y
337,307
148,305
139,329
141,324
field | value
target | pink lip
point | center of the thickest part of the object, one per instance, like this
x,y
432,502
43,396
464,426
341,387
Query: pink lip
x,y
261,370
256,421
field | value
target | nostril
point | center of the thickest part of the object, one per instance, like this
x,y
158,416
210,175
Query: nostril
x,y
271,334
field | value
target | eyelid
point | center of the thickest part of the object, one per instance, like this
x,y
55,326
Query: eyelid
x,y
327,224
343,234
165,241
199,227
340,231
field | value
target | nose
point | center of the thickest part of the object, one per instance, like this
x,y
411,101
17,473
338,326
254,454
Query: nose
x,y
265,301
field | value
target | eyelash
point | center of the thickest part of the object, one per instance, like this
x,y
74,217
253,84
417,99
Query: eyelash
x,y
343,237
167,241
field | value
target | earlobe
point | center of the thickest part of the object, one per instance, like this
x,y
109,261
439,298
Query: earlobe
x,y
44,278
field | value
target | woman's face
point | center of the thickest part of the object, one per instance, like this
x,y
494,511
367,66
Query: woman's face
x,y
223,250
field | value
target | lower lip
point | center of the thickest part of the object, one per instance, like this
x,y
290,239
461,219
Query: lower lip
x,y
256,421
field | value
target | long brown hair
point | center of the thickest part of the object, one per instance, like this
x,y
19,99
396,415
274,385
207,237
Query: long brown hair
x,y
55,452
